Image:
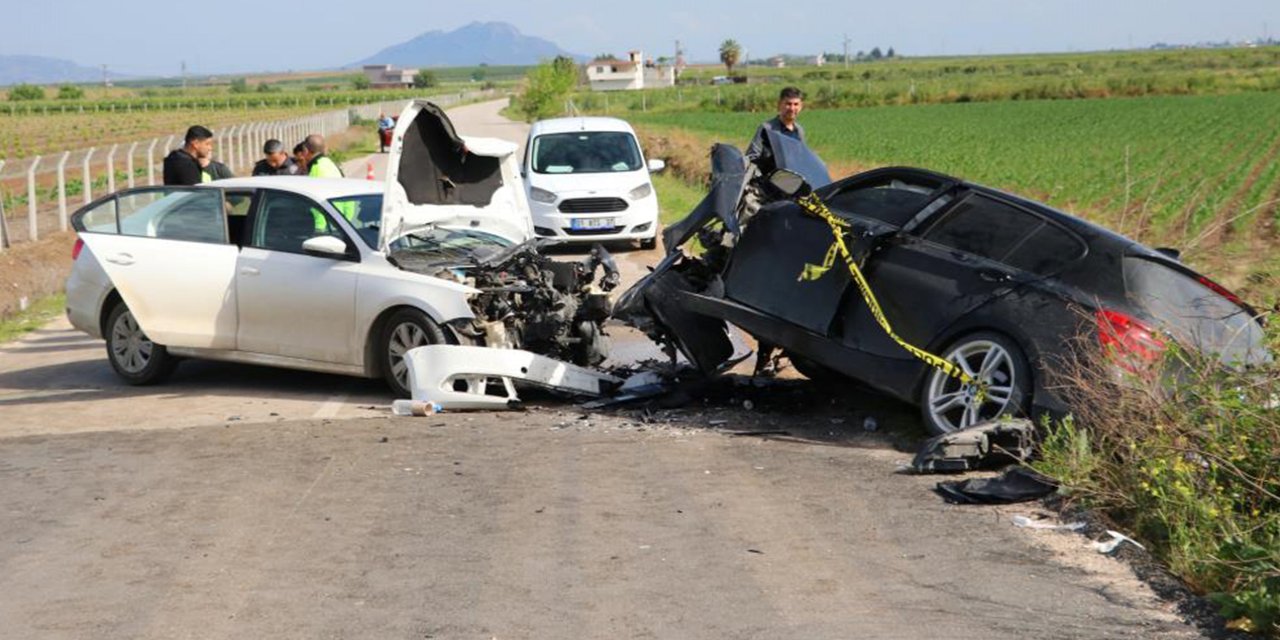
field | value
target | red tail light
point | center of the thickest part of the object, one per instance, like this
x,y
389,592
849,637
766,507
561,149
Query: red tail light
x,y
1129,342
1221,290
75,250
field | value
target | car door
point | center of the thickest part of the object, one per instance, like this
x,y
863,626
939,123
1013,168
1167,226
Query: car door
x,y
291,303
166,252
949,266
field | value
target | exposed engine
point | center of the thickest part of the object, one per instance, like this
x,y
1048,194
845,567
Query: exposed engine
x,y
529,301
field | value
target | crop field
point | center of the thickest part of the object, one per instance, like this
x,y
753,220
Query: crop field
x,y
1197,172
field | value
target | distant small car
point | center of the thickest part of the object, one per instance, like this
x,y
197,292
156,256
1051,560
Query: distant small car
x,y
333,275
588,181
997,284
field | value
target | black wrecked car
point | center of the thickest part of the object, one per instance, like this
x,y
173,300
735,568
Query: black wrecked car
x,y
999,285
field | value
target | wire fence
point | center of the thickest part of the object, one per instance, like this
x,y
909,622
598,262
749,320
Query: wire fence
x,y
48,187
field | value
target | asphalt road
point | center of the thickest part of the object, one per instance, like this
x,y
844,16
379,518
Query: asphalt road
x,y
240,501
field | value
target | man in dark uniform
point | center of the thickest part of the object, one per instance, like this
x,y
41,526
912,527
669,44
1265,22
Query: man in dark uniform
x,y
790,102
182,166
277,161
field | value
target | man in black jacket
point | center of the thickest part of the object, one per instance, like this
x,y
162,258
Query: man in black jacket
x,y
277,161
182,166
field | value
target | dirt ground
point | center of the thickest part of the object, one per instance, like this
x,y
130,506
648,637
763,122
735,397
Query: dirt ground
x,y
33,270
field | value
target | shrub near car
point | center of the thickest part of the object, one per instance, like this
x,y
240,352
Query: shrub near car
x,y
333,275
588,181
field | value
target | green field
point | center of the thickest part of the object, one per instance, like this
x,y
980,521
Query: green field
x,y
1198,172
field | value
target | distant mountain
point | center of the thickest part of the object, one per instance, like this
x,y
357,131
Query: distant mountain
x,y
41,70
479,42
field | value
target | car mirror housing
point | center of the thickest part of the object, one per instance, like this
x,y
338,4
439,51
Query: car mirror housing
x,y
789,183
656,165
326,247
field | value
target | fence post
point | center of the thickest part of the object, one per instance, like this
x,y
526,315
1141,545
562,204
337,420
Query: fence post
x,y
111,169
62,190
31,200
88,178
129,164
4,224
242,139
151,163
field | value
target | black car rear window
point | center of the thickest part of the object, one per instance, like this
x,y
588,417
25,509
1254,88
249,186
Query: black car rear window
x,y
1192,313
983,227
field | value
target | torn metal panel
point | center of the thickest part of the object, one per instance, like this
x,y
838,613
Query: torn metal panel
x,y
1001,440
465,377
728,180
1018,484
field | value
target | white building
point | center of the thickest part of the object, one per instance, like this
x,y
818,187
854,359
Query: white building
x,y
632,73
385,76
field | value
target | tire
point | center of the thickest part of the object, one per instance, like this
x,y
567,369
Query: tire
x,y
947,405
404,330
649,244
135,358
815,372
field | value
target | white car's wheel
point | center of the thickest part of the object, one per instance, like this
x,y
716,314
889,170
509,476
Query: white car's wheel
x,y
946,404
135,358
405,330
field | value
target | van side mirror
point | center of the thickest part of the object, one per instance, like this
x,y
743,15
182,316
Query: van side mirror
x,y
656,165
789,183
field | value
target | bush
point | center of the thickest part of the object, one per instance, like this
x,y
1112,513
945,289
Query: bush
x,y
547,86
70,92
239,85
26,92
1184,455
425,80
360,82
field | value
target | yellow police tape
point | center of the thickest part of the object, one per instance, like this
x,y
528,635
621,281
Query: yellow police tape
x,y
814,205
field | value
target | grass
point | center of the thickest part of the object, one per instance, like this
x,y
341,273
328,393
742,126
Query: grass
x,y
34,317
676,198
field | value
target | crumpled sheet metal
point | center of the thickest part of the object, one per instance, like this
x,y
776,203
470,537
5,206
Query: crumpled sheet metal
x,y
1018,484
996,441
458,377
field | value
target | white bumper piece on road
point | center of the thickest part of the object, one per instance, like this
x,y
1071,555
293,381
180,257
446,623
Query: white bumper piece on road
x,y
460,377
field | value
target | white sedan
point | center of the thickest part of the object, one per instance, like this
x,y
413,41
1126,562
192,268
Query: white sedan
x,y
340,276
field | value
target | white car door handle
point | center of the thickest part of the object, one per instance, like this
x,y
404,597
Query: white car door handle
x,y
249,271
123,259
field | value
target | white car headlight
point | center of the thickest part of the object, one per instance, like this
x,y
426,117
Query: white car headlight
x,y
541,195
641,191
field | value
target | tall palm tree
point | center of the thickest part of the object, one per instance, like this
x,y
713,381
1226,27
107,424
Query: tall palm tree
x,y
730,53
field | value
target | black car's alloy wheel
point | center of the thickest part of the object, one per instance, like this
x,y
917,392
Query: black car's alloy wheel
x,y
992,359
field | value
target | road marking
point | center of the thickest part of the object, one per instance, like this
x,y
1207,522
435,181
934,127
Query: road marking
x,y
331,407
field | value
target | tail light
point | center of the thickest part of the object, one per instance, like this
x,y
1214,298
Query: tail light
x,y
1129,342
75,250
1221,290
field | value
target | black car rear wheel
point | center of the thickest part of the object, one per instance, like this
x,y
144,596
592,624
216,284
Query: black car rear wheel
x,y
994,360
405,330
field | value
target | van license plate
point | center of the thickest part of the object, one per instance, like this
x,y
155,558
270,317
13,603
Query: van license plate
x,y
592,223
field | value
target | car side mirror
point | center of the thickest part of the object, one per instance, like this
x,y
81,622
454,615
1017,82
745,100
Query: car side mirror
x,y
656,165
789,183
325,247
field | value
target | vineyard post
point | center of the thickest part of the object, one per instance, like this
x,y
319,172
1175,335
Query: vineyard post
x,y
129,163
151,163
164,151
31,198
88,180
111,169
243,150
227,149
62,191
4,224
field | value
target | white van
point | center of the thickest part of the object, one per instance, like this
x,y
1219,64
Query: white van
x,y
588,181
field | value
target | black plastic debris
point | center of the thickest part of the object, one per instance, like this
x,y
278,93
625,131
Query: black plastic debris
x,y
1018,484
986,444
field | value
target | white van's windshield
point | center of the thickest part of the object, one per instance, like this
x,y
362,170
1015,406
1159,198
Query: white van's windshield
x,y
586,152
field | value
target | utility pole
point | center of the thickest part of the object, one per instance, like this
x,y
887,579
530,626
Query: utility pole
x,y
184,75
846,50
106,81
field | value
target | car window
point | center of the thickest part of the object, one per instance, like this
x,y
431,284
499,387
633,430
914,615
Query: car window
x,y
364,213
194,215
1046,250
984,227
586,152
286,220
894,202
101,218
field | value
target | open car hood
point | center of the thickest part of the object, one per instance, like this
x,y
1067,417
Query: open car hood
x,y
436,177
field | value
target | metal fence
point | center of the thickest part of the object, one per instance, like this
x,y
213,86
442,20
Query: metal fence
x,y
56,183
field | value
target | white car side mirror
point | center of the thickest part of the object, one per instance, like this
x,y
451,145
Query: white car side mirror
x,y
325,246
656,165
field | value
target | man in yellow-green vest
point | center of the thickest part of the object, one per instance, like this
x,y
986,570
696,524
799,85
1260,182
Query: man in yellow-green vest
x,y
319,165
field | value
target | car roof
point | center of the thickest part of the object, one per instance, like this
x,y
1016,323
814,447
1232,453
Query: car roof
x,y
317,188
566,125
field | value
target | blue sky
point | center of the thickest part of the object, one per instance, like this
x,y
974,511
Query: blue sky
x,y
154,36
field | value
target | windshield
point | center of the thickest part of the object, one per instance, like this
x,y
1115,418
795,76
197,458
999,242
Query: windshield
x,y
586,152
1193,313
439,246
364,213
